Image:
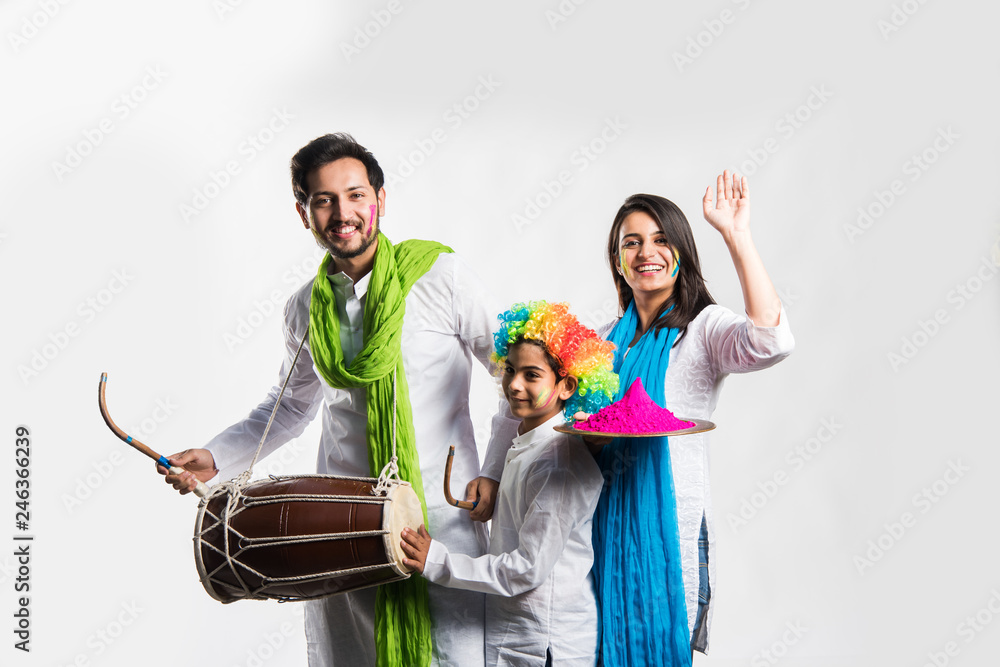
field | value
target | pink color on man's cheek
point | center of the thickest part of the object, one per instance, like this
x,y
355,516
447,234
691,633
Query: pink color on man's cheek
x,y
371,219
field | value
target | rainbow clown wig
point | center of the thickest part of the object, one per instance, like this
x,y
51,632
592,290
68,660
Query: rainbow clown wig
x,y
579,351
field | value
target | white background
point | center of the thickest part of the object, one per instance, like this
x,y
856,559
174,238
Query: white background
x,y
824,105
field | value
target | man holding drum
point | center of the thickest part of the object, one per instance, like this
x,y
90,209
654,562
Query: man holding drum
x,y
392,330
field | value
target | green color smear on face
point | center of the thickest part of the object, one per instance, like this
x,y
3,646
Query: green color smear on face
x,y
544,398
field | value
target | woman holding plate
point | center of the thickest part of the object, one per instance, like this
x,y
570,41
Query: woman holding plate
x,y
653,527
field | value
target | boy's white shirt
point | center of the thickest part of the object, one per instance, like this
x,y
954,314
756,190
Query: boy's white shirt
x,y
540,552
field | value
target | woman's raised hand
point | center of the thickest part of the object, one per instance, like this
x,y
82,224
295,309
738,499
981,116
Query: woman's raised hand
x,y
731,216
730,213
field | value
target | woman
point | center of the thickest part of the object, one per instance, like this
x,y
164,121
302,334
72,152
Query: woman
x,y
653,527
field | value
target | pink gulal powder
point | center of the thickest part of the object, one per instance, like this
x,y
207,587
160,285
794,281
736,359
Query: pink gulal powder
x,y
635,412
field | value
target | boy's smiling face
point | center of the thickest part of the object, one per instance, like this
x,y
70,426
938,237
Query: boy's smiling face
x,y
534,391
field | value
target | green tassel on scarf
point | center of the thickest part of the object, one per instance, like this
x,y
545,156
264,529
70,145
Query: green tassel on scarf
x,y
402,609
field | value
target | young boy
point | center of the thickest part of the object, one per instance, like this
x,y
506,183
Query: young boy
x,y
542,609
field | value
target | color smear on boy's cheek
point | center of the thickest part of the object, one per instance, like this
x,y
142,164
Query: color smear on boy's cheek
x,y
371,219
677,263
544,398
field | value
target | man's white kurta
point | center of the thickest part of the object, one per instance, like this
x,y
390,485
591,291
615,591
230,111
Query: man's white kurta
x,y
538,569
449,319
718,342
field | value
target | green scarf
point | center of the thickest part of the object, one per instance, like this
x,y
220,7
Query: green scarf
x,y
402,609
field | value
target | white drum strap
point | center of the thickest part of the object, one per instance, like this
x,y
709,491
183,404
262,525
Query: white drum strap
x,y
391,469
389,472
244,476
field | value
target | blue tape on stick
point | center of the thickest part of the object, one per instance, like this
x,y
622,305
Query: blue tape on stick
x,y
128,439
163,462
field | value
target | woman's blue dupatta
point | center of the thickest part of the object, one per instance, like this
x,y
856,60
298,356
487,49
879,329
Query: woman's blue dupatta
x,y
637,559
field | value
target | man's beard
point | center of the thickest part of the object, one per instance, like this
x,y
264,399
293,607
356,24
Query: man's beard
x,y
340,253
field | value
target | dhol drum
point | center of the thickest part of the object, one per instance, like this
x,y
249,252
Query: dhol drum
x,y
302,537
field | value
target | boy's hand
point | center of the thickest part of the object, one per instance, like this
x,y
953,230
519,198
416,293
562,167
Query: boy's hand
x,y
416,545
595,443
482,491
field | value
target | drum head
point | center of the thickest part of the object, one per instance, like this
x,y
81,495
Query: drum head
x,y
402,511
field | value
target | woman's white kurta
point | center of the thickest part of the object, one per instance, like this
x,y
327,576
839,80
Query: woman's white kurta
x,y
718,342
538,569
449,319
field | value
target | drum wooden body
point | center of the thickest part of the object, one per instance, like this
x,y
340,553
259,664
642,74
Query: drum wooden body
x,y
302,537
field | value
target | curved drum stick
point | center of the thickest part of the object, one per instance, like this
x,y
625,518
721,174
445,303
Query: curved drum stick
x,y
461,504
201,490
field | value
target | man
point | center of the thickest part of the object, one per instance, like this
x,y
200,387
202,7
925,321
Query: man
x,y
381,320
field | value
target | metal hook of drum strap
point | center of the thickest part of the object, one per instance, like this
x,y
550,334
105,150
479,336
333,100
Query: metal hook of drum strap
x,y
245,475
391,468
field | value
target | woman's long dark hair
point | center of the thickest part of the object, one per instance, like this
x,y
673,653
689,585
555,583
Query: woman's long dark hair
x,y
690,295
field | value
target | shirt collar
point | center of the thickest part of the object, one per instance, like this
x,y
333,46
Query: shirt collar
x,y
343,284
361,287
539,433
